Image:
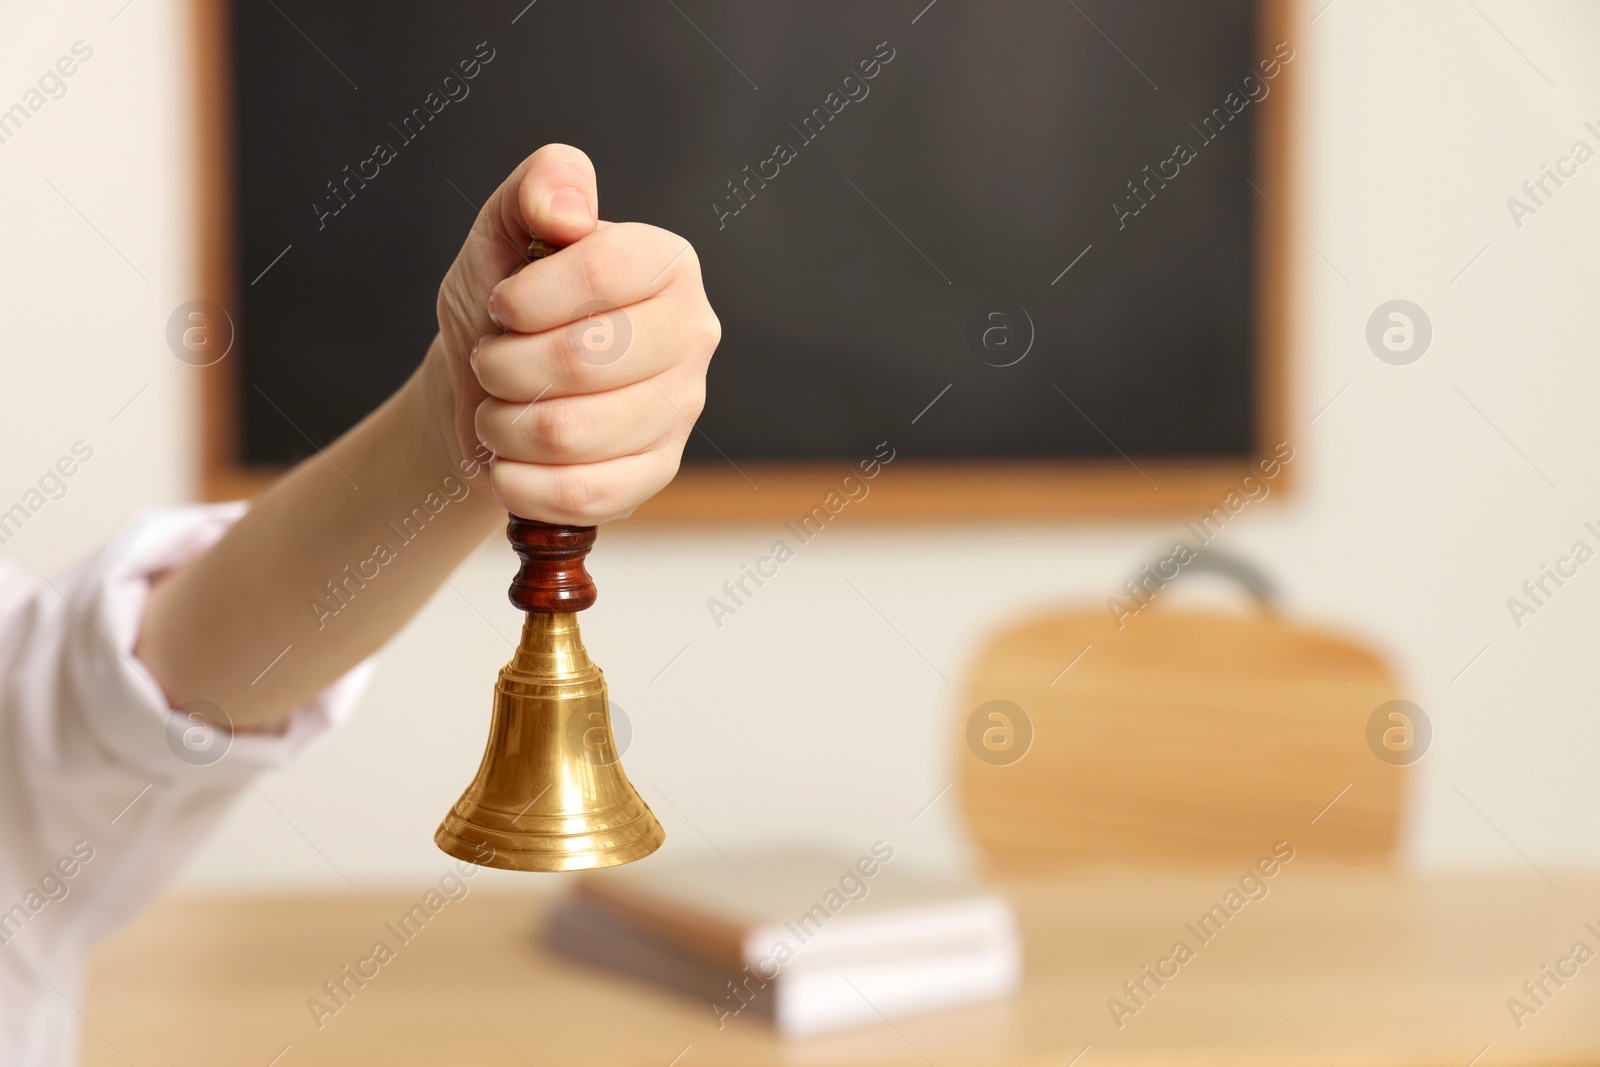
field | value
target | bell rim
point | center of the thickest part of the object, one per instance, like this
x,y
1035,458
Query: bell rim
x,y
552,860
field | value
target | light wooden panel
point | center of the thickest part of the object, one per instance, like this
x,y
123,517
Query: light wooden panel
x,y
1181,736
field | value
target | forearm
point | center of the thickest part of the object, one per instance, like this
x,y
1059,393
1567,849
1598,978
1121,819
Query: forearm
x,y
335,558
328,564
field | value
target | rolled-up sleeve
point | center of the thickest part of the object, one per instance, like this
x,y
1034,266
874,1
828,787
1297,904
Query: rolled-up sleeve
x,y
105,790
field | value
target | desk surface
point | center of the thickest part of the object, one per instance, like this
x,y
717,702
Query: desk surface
x,y
1335,967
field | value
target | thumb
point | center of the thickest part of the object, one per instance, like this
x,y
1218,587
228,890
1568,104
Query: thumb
x,y
554,196
550,195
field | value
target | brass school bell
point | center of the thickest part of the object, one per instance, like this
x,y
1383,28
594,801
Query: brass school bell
x,y
550,794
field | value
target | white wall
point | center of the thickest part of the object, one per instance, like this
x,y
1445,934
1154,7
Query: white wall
x,y
1414,521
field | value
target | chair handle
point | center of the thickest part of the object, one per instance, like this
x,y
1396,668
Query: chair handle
x,y
1251,578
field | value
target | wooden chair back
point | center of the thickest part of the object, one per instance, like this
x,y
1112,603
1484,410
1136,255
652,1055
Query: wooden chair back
x,y
1180,737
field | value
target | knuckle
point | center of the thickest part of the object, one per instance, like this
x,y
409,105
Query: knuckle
x,y
601,267
566,360
711,330
686,265
559,428
695,403
690,260
575,495
683,275
670,459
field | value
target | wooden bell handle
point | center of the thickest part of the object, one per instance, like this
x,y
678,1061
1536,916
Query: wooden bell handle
x,y
552,577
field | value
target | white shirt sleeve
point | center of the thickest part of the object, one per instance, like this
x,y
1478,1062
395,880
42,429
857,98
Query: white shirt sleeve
x,y
104,789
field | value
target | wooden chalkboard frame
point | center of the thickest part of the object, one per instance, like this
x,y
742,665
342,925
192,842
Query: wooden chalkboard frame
x,y
717,491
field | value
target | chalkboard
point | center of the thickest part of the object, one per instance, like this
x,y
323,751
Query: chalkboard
x,y
998,231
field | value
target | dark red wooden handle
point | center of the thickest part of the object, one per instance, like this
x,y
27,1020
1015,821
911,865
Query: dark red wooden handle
x,y
552,577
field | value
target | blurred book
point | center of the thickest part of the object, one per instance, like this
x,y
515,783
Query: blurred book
x,y
808,939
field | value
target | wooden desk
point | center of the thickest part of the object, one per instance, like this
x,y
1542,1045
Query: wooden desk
x,y
1335,967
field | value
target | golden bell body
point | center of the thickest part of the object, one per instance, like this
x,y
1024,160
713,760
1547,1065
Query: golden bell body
x,y
550,794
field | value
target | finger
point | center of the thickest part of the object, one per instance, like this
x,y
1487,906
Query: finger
x,y
557,198
613,267
603,350
524,204
590,427
584,494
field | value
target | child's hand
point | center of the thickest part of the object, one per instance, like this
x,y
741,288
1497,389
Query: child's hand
x,y
588,395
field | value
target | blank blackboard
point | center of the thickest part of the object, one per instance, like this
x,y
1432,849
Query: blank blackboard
x,y
995,247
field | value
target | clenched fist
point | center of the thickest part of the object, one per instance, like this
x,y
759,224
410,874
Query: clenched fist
x,y
582,372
